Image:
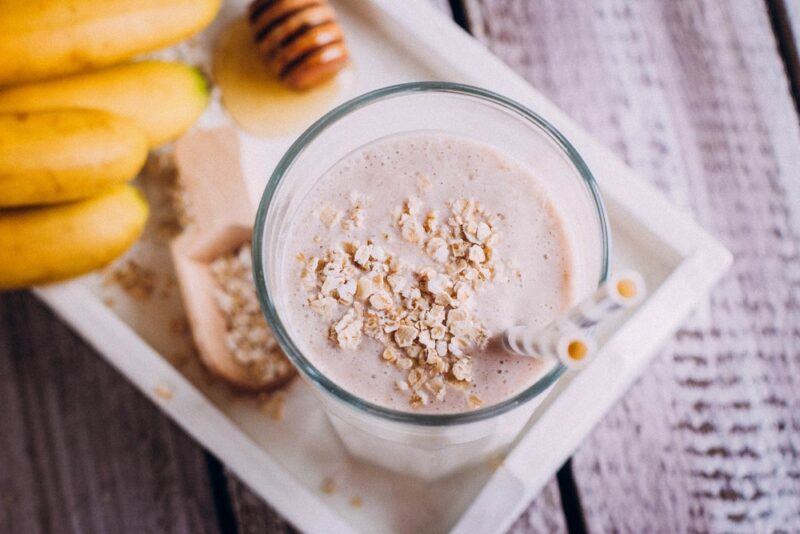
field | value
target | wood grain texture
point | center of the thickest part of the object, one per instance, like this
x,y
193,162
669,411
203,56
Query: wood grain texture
x,y
693,95
544,515
251,513
80,449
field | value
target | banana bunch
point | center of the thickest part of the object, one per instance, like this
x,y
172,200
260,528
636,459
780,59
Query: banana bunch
x,y
76,126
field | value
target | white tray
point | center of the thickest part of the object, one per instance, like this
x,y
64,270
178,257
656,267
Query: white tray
x,y
286,461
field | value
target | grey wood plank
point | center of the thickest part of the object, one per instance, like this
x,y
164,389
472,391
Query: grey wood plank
x,y
80,449
20,511
253,515
544,515
692,94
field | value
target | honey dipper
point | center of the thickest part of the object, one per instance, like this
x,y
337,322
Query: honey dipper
x,y
299,40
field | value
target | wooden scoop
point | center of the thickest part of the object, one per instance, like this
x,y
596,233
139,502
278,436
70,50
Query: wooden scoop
x,y
216,198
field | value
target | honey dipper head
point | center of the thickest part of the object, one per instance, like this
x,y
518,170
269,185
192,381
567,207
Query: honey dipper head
x,y
300,40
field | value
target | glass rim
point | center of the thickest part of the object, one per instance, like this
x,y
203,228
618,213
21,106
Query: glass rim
x,y
296,149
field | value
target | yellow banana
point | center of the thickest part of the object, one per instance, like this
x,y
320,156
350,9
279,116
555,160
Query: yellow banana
x,y
41,39
56,156
48,244
164,98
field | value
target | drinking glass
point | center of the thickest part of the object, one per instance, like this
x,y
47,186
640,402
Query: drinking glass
x,y
427,445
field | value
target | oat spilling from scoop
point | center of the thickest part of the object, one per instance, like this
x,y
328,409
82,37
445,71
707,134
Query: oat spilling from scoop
x,y
424,316
247,335
133,278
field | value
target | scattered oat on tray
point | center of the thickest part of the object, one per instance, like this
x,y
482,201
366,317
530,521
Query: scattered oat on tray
x,y
163,392
328,486
133,278
423,316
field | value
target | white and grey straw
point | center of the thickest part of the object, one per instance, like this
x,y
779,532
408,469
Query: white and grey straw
x,y
569,338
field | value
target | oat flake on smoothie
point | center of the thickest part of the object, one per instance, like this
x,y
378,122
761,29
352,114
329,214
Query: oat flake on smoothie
x,y
422,316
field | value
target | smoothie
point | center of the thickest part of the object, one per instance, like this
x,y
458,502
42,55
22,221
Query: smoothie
x,y
407,261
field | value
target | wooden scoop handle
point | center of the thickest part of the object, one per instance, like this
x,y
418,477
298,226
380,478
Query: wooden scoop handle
x,y
212,179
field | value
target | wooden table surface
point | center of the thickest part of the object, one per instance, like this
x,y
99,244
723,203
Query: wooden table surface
x,y
700,97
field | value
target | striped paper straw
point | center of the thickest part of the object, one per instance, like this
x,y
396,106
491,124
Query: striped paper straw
x,y
569,338
573,347
622,290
